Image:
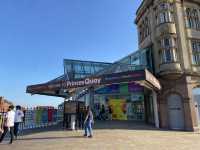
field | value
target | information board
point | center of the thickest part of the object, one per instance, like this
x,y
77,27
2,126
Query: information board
x,y
70,107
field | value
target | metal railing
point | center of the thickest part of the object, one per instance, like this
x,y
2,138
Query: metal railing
x,y
37,118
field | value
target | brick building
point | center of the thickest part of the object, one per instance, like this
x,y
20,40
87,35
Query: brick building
x,y
4,104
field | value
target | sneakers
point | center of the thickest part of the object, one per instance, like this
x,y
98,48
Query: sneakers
x,y
10,142
90,136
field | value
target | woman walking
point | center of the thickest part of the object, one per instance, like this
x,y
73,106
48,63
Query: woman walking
x,y
89,120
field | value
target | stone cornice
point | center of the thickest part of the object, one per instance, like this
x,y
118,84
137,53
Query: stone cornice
x,y
142,8
192,1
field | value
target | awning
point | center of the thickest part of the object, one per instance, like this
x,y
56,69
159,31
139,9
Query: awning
x,y
63,88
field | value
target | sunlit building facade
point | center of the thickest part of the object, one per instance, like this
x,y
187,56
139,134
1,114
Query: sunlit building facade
x,y
172,29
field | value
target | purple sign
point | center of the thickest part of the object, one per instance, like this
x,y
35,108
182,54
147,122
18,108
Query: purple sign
x,y
133,87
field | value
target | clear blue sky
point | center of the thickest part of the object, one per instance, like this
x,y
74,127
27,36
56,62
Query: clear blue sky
x,y
36,35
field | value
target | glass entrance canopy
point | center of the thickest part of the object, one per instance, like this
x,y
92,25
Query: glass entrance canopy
x,y
139,60
77,70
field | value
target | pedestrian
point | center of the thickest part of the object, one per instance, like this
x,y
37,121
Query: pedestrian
x,y
89,120
9,124
102,113
18,120
110,112
97,111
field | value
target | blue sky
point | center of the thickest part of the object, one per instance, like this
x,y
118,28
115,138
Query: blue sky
x,y
36,35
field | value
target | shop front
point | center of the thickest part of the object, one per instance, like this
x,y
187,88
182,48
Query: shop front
x,y
121,101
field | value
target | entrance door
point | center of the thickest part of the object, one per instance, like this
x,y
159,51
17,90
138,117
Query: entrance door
x,y
175,112
197,109
196,100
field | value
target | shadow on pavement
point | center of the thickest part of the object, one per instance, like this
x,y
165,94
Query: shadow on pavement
x,y
126,125
51,138
100,125
40,130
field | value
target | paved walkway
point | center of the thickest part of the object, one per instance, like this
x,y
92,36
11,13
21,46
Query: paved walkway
x,y
141,138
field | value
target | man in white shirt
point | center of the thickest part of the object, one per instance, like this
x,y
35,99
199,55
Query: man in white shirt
x,y
9,124
18,119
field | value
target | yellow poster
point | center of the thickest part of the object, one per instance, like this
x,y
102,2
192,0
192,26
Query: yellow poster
x,y
118,107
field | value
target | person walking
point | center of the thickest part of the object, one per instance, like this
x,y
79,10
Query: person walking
x,y
89,120
9,124
110,112
102,113
18,120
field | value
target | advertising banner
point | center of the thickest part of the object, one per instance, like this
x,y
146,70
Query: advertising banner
x,y
110,89
50,115
118,107
44,115
38,116
133,87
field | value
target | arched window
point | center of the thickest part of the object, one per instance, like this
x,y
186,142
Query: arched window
x,y
164,14
188,12
192,18
195,44
168,52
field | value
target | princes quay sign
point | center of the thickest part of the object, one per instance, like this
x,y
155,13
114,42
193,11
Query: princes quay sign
x,y
63,84
140,76
85,82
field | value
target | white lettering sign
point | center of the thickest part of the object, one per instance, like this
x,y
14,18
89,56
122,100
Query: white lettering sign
x,y
87,81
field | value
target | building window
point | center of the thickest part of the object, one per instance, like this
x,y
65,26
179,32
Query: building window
x,y
164,14
165,17
196,52
168,55
192,18
165,6
144,29
168,50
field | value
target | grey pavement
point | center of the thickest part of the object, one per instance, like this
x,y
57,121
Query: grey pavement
x,y
108,136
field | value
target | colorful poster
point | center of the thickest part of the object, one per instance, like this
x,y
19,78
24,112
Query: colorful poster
x,y
124,88
50,115
38,116
44,116
118,107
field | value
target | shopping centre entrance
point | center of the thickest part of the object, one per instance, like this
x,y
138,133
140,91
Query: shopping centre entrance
x,y
129,95
126,90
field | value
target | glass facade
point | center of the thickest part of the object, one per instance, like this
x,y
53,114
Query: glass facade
x,y
75,69
139,60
